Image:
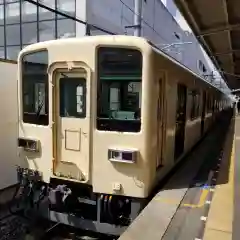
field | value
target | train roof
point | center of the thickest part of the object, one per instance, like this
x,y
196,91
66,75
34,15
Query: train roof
x,y
187,69
124,39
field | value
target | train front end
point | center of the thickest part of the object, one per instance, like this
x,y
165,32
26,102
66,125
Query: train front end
x,y
83,129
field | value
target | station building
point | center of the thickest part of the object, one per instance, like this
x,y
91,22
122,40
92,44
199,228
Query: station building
x,y
23,23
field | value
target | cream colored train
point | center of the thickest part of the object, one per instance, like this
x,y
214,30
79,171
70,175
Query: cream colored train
x,y
101,120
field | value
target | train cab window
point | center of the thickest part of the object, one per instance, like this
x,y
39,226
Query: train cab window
x,y
119,96
73,97
35,88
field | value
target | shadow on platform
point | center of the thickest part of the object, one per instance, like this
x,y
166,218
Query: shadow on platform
x,y
211,155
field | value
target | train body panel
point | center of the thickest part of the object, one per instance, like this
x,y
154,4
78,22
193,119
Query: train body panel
x,y
71,146
108,117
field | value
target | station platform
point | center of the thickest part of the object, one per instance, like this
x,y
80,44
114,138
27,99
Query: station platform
x,y
200,200
220,219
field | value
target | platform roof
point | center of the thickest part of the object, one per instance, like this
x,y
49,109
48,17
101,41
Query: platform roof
x,y
216,23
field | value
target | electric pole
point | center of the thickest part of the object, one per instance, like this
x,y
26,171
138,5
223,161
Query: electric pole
x,y
137,17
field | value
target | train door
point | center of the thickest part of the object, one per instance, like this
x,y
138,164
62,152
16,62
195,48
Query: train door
x,y
160,121
72,124
180,120
203,112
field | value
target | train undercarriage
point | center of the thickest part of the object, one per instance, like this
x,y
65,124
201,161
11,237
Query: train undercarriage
x,y
75,204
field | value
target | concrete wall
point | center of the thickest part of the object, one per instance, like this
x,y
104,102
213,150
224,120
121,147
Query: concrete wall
x,y
158,25
8,124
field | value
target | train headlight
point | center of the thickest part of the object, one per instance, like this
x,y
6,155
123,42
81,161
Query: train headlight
x,y
30,145
122,155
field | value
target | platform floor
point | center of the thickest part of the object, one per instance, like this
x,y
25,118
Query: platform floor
x,y
224,217
219,222
204,216
236,215
184,208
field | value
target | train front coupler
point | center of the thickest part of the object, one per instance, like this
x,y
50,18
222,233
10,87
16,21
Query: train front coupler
x,y
29,191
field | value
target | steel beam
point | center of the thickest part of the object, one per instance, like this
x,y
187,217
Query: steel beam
x,y
226,53
219,29
197,32
225,9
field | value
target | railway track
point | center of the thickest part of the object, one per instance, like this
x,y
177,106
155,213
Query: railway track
x,y
12,228
17,228
56,231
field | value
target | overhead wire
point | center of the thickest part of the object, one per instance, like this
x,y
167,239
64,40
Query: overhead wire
x,y
219,70
159,33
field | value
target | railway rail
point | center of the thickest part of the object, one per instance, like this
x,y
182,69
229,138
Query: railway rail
x,y
18,226
15,227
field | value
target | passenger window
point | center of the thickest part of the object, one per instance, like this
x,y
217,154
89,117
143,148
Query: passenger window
x,y
73,97
35,88
195,107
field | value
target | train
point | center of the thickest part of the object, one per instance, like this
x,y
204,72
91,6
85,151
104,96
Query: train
x,y
102,119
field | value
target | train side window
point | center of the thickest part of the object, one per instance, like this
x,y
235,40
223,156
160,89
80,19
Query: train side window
x,y
195,107
73,97
211,103
35,88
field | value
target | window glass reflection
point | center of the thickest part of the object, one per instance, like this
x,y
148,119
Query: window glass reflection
x,y
12,13
47,23
66,28
1,36
1,14
44,14
29,12
67,7
2,52
12,52
10,1
29,33
46,30
13,34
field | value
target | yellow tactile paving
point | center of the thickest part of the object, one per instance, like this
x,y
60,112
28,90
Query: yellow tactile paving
x,y
220,217
217,235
